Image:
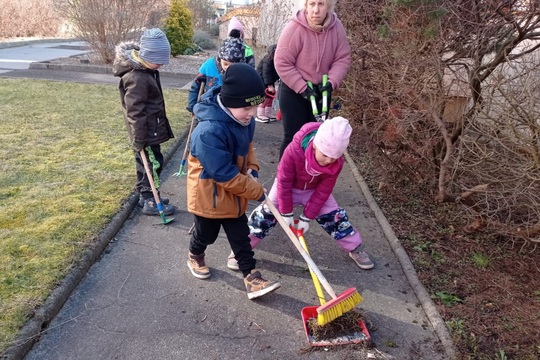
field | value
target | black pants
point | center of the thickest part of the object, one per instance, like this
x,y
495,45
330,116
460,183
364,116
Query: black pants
x,y
143,183
295,112
237,230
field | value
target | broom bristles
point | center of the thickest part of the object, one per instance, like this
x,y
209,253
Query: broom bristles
x,y
334,308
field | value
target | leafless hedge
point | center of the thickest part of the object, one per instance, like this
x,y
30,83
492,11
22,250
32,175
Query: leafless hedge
x,y
27,18
445,91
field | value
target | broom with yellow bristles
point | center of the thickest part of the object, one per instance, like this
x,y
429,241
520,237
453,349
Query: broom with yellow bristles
x,y
339,304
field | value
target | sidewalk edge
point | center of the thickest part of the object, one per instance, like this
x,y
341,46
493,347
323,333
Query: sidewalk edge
x,y
96,69
423,297
37,325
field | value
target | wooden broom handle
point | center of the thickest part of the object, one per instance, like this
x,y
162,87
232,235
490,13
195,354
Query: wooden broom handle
x,y
299,247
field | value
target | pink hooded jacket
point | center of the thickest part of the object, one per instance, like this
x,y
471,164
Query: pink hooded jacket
x,y
298,169
303,54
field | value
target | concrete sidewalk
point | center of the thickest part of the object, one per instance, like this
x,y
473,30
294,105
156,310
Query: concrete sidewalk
x,y
133,297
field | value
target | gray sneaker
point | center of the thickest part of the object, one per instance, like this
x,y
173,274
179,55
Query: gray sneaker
x,y
197,266
361,258
232,263
256,286
150,208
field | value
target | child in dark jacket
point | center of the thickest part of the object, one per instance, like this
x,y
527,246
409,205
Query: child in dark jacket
x,y
144,107
306,175
218,182
269,76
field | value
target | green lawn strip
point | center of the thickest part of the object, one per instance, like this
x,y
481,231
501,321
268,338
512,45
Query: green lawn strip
x,y
66,168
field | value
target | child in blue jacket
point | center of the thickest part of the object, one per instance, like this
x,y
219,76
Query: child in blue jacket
x,y
218,182
231,51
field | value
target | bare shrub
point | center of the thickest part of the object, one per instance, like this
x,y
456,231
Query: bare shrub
x,y
105,23
29,18
274,16
427,75
499,155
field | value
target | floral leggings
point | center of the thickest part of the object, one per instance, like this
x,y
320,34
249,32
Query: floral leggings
x,y
332,218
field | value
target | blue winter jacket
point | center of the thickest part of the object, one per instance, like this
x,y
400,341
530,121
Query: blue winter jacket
x,y
221,152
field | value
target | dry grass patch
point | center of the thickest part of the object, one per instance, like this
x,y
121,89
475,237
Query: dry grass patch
x,y
66,169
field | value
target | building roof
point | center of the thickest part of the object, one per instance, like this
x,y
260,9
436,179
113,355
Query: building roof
x,y
240,11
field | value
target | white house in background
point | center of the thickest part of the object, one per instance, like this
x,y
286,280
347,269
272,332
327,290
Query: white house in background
x,y
248,16
263,22
274,16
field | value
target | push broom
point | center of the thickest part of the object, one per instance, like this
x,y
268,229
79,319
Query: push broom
x,y
339,304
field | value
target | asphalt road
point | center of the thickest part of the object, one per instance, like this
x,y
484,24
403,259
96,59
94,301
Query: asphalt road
x,y
167,81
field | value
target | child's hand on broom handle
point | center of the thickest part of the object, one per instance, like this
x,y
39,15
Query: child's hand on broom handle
x,y
303,223
249,174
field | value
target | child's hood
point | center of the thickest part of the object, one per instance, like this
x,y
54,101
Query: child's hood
x,y
208,108
123,62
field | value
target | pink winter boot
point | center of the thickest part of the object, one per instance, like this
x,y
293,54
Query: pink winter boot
x,y
270,113
261,115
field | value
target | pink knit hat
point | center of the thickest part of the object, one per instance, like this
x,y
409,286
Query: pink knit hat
x,y
234,23
332,138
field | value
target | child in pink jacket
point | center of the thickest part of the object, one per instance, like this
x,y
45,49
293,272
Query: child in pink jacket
x,y
306,175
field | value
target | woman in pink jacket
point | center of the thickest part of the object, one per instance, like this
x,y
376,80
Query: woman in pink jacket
x,y
312,44
306,176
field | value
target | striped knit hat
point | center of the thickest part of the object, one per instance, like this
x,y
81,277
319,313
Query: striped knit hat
x,y
155,47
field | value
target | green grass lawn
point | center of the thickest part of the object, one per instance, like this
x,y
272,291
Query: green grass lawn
x,y
66,168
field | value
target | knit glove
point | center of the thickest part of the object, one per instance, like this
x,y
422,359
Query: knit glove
x,y
303,224
289,219
138,145
306,94
327,87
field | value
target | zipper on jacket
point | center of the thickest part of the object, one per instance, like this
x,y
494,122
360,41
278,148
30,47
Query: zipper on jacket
x,y
215,195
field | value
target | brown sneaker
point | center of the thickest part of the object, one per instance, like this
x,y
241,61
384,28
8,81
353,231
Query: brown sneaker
x,y
256,286
197,266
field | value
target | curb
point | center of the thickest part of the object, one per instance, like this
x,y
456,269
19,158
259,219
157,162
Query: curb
x,y
16,43
31,331
96,69
430,310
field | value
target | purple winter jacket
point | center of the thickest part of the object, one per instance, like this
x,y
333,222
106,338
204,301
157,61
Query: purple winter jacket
x,y
303,54
292,173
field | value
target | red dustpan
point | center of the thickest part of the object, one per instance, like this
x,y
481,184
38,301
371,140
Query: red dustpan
x,y
354,336
310,312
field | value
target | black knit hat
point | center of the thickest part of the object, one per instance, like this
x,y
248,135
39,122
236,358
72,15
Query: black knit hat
x,y
242,87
